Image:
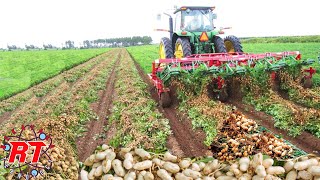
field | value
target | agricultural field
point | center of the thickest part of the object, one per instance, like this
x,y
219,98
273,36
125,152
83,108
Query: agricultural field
x,y
105,121
20,70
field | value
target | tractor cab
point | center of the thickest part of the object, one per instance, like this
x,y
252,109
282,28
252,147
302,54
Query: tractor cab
x,y
192,31
194,19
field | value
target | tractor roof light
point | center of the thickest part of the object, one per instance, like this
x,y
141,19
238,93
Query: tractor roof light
x,y
183,8
184,33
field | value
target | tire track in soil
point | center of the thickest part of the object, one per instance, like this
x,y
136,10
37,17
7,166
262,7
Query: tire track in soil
x,y
306,141
87,144
184,141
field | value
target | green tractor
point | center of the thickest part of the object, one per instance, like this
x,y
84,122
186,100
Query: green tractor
x,y
193,32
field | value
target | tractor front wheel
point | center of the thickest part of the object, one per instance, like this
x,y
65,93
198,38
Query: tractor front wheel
x,y
165,48
182,48
219,45
232,44
165,100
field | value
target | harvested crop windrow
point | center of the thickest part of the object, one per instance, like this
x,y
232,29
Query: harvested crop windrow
x,y
62,113
49,85
287,115
240,137
158,166
135,115
296,93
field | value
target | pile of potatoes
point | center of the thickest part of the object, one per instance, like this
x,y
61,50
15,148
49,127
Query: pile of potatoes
x,y
239,137
130,164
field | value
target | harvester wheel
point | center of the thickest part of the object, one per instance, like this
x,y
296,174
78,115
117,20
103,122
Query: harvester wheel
x,y
307,82
182,48
219,45
232,44
165,48
165,100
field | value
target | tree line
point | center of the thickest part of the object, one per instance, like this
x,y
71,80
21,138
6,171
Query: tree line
x,y
117,42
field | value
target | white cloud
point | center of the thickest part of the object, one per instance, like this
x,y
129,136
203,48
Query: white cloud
x,y
54,21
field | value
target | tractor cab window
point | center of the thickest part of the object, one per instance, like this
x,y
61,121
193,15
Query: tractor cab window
x,y
197,20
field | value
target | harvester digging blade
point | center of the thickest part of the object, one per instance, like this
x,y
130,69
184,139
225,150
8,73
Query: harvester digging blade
x,y
222,66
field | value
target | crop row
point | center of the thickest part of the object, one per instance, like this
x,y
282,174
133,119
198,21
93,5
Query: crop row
x,y
135,115
23,69
63,111
45,87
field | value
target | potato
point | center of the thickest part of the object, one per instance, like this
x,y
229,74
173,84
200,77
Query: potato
x,y
104,147
142,153
208,178
88,161
185,163
84,175
314,170
211,166
270,177
226,178
229,173
256,177
148,176
97,164
288,166
301,165
191,173
218,174
117,167
292,175
142,165
107,177
202,165
267,163
140,176
257,160
304,175
91,173
106,166
316,178
180,176
171,167
163,174
169,157
130,176
100,156
244,164
276,170
158,162
195,167
260,170
128,161
98,171
245,176
111,155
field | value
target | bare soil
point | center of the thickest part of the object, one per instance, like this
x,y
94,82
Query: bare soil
x,y
184,141
87,143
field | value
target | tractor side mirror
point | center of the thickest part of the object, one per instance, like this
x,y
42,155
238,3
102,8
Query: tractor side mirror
x,y
214,16
159,17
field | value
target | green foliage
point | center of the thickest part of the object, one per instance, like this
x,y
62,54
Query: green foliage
x,y
20,70
282,39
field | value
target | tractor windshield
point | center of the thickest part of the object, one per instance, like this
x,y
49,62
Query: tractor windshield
x,y
197,20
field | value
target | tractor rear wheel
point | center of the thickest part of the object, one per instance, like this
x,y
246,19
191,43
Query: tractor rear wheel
x,y
232,44
182,48
219,45
165,100
165,48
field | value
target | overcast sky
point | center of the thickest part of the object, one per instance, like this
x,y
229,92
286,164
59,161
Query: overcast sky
x,y
54,21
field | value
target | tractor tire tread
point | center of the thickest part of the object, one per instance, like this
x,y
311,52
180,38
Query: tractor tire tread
x,y
167,46
236,43
219,46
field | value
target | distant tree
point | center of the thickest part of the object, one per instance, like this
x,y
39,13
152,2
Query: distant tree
x,y
69,44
